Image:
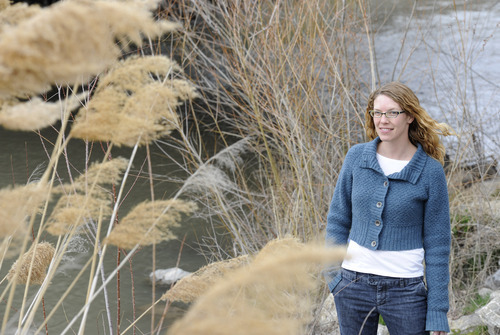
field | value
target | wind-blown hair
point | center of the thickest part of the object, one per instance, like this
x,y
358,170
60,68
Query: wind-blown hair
x,y
423,129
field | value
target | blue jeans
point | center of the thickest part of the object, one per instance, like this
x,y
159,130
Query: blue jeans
x,y
360,298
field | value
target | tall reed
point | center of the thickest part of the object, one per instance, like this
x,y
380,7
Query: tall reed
x,y
283,80
66,44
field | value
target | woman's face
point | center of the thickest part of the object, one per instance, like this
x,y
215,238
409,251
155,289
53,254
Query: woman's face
x,y
394,130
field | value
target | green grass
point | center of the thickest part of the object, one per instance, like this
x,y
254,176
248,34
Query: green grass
x,y
479,330
476,302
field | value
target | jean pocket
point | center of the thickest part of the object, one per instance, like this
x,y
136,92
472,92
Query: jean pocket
x,y
419,288
339,287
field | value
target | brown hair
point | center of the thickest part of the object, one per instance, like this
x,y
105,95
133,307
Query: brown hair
x,y
423,129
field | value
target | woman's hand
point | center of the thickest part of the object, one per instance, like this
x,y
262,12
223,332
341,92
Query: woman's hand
x,y
439,333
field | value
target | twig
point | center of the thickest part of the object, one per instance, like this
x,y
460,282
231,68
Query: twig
x,y
90,297
140,316
370,46
404,38
152,194
167,305
133,292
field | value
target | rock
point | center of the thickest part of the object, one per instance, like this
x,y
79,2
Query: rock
x,y
490,314
493,281
168,276
484,291
327,321
466,323
382,330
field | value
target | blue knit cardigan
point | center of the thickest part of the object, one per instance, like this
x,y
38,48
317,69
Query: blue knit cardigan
x,y
405,210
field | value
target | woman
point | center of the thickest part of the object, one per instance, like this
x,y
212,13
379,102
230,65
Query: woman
x,y
391,207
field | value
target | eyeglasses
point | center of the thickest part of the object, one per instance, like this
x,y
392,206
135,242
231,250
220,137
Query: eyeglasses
x,y
389,114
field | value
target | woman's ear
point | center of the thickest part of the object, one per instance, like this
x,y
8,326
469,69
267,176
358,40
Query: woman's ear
x,y
411,118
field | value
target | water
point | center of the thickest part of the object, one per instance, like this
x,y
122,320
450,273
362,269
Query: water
x,y
454,72
23,157
449,56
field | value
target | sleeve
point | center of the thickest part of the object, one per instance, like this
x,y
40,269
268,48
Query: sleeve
x,y
437,241
340,212
339,216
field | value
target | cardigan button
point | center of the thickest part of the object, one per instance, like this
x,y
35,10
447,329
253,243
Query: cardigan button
x,y
379,204
386,183
377,223
374,243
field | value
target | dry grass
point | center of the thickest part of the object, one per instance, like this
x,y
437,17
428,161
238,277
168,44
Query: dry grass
x,y
33,265
72,43
84,198
274,294
475,215
77,210
189,288
36,113
287,85
69,41
4,4
11,15
105,173
132,73
135,100
17,204
150,222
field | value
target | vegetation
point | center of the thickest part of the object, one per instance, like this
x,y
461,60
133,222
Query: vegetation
x,y
260,101
481,330
476,302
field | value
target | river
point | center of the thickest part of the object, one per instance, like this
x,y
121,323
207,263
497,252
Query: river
x,y
448,52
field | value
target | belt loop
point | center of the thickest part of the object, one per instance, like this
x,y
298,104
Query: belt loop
x,y
402,282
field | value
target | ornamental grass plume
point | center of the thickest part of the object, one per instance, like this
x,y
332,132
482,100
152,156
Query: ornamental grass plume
x,y
38,258
133,72
106,173
272,295
146,223
11,15
35,113
75,210
189,288
134,100
71,40
17,204
81,200
4,4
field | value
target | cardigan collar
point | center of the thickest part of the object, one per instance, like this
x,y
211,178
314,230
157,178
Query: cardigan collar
x,y
411,172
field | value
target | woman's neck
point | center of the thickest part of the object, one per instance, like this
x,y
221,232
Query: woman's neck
x,y
398,151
